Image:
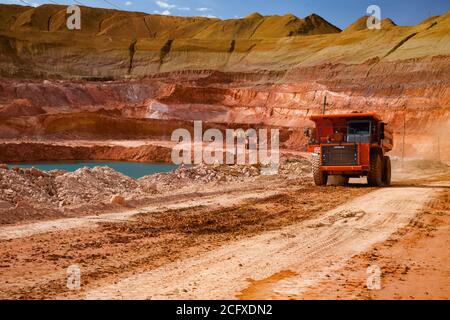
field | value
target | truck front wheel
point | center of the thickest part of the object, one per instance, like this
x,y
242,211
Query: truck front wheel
x,y
387,171
375,176
320,177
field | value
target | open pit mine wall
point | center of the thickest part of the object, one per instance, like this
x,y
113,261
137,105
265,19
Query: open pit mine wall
x,y
278,80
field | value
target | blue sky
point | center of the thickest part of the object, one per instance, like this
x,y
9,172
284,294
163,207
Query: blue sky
x,y
341,13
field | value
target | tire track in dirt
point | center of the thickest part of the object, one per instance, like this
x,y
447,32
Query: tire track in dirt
x,y
414,262
307,252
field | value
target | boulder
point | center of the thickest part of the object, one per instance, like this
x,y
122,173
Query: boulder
x,y
118,200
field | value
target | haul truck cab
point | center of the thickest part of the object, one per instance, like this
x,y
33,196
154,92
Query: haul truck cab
x,y
350,146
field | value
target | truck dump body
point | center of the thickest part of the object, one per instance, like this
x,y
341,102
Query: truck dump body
x,y
349,128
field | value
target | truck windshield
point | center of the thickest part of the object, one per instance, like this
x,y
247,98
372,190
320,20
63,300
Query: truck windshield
x,y
359,131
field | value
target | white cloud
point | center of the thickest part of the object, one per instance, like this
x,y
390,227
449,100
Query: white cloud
x,y
165,5
128,3
164,13
210,16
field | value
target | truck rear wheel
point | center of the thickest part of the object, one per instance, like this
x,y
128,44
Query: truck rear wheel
x,y
320,177
387,171
375,176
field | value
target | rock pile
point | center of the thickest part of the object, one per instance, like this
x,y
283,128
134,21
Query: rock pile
x,y
26,185
300,167
222,173
94,186
205,173
66,189
31,192
201,174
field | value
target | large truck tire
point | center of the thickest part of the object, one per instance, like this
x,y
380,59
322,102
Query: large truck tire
x,y
375,176
320,177
387,171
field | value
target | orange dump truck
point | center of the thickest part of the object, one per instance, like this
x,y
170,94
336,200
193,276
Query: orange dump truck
x,y
350,146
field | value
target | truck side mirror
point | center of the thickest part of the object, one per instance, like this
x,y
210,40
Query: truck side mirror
x,y
382,129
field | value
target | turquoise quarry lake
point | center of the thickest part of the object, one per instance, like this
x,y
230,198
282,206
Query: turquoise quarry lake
x,y
130,169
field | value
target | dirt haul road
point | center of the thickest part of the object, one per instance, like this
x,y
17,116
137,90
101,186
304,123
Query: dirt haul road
x,y
275,244
301,254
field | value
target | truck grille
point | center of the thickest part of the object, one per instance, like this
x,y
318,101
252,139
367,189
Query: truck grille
x,y
340,155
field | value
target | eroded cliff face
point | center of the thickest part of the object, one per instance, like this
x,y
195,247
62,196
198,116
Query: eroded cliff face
x,y
136,70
